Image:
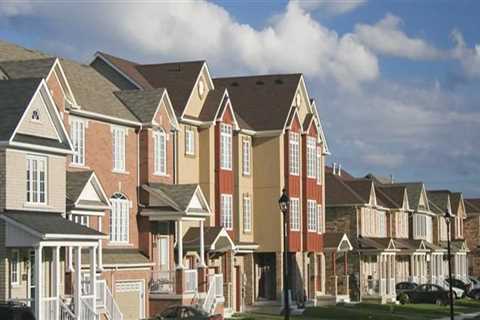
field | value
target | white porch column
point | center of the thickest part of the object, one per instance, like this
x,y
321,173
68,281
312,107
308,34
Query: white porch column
x,y
179,244
100,255
202,245
78,282
56,280
389,273
93,277
39,283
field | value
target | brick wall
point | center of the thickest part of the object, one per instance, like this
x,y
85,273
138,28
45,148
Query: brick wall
x,y
342,219
471,231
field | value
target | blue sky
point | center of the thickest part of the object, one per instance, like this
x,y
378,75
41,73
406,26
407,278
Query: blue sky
x,y
397,83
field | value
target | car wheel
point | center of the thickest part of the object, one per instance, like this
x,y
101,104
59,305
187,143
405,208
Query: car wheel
x,y
404,298
438,301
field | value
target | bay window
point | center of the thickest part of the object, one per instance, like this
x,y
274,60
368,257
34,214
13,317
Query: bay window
x,y
294,214
226,212
312,216
36,180
226,146
311,157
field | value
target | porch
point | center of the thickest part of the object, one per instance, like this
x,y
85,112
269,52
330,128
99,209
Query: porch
x,y
337,282
38,244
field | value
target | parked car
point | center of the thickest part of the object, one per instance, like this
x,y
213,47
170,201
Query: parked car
x,y
15,311
425,293
474,294
457,292
187,313
475,283
465,286
404,286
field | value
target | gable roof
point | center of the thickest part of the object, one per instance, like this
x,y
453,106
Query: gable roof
x,y
213,102
178,78
472,206
441,200
191,239
338,192
456,201
10,51
414,191
142,103
362,187
36,68
263,101
394,193
15,96
76,181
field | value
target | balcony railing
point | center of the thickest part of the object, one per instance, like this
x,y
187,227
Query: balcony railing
x,y
162,282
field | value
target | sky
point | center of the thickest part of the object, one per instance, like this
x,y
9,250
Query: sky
x,y
396,83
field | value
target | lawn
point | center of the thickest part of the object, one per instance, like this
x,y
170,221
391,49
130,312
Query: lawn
x,y
378,312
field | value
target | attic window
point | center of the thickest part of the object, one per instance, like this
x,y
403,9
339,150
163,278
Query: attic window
x,y
36,115
298,100
201,88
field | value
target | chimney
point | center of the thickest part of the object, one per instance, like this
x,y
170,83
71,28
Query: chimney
x,y
334,168
339,169
391,178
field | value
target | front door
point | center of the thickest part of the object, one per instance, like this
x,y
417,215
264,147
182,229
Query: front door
x,y
31,279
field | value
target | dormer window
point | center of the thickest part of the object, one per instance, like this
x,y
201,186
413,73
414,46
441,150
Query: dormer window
x,y
36,115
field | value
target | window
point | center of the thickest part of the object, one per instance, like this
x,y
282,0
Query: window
x,y
36,115
119,216
226,214
422,227
77,132
160,158
312,216
247,214
321,219
83,220
118,148
382,223
14,268
294,153
311,158
36,180
226,146
294,214
189,141
246,156
163,254
319,165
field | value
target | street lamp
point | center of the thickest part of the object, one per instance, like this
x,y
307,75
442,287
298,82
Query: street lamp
x,y
284,203
448,216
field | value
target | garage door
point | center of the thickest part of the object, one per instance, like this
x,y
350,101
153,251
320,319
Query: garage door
x,y
130,297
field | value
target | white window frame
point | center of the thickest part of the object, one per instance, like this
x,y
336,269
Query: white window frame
x,y
15,267
382,223
312,216
33,187
246,156
160,153
247,214
319,165
77,133
119,219
81,219
294,153
226,146
164,265
321,219
189,141
226,211
118,145
295,223
311,157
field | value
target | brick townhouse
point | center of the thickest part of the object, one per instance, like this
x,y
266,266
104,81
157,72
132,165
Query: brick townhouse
x,y
472,235
397,230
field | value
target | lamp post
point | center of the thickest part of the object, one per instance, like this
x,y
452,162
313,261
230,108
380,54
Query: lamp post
x,y
448,216
284,203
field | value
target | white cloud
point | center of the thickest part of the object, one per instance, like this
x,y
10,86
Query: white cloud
x,y
469,57
332,7
293,42
386,37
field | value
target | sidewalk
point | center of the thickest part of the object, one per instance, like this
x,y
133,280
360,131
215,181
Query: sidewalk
x,y
463,316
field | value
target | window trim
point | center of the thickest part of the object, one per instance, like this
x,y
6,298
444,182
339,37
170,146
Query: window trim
x,y
311,146
17,267
312,223
246,156
118,148
319,165
321,218
29,181
116,236
226,137
294,153
159,164
166,266
75,125
247,227
226,221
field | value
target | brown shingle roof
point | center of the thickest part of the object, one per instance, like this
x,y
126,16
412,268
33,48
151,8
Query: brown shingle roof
x,y
142,103
18,69
395,193
262,101
472,206
10,51
338,192
128,68
212,103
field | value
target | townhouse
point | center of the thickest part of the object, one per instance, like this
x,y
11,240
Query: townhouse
x,y
169,184
472,235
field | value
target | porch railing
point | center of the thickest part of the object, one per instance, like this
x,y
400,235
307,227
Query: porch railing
x,y
87,312
111,307
49,309
65,312
162,282
218,283
372,287
191,280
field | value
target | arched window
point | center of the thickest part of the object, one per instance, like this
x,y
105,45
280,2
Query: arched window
x,y
160,152
119,218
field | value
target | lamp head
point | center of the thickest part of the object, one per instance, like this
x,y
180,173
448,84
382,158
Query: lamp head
x,y
284,201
